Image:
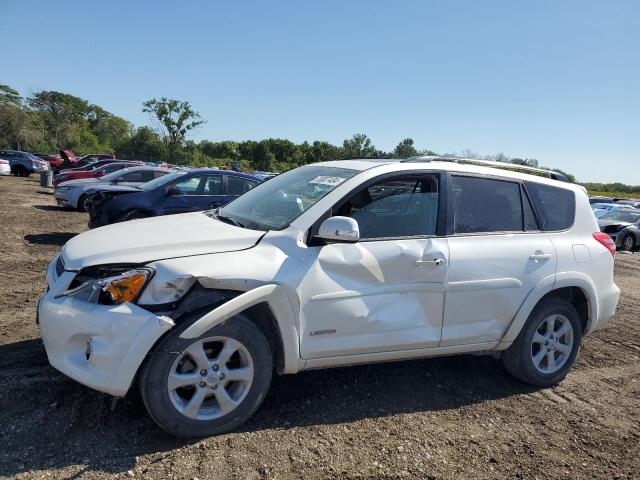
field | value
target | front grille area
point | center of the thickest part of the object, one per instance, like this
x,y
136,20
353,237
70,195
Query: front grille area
x,y
59,265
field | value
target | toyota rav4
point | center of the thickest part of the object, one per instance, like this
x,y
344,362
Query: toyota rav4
x,y
327,265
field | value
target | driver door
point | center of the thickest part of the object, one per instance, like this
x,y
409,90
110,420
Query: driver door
x,y
385,292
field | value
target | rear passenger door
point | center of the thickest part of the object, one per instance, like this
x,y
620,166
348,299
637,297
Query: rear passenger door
x,y
497,254
236,186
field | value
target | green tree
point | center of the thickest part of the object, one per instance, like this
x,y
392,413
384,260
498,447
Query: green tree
x,y
9,96
144,144
174,119
359,146
60,113
405,149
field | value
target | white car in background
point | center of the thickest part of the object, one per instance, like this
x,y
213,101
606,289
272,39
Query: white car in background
x,y
331,264
5,168
72,194
601,209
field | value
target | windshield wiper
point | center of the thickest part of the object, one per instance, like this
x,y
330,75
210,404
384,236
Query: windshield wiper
x,y
228,220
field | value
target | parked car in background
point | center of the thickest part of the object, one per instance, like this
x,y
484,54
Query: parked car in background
x,y
626,201
179,192
23,164
97,172
94,157
324,266
73,193
5,168
53,160
600,199
600,209
623,228
67,160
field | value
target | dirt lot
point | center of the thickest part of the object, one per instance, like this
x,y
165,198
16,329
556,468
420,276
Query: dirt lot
x,y
459,417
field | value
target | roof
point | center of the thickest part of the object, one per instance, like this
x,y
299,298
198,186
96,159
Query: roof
x,y
450,164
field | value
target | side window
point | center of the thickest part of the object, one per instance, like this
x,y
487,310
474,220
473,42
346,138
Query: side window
x,y
397,207
213,185
112,168
483,205
238,185
188,186
136,176
556,206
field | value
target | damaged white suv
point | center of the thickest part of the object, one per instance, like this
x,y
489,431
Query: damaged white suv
x,y
330,264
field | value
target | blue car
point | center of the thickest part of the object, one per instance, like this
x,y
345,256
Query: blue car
x,y
182,191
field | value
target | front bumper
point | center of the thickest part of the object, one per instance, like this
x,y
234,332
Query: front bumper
x,y
63,198
99,346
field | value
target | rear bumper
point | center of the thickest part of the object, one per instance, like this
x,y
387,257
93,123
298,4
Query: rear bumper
x,y
607,303
5,170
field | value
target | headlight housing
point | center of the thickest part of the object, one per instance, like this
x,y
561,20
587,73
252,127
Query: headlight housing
x,y
64,188
113,290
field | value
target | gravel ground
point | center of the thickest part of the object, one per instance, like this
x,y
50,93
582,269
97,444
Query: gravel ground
x,y
458,417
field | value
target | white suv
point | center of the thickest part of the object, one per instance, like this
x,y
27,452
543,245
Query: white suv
x,y
331,264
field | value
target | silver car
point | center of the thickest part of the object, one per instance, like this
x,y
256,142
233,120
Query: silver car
x,y
72,194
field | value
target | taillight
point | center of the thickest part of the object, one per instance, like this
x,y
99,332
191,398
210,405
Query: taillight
x,y
606,241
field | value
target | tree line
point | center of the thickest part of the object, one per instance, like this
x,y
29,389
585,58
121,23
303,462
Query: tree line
x,y
47,121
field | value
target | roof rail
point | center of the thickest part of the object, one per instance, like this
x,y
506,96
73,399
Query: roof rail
x,y
487,163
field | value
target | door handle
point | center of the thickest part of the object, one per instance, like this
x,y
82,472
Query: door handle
x,y
540,256
435,261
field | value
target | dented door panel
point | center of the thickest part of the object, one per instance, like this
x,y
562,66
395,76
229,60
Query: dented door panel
x,y
373,297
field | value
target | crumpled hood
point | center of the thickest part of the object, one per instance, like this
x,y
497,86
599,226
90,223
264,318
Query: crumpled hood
x,y
145,240
607,223
109,187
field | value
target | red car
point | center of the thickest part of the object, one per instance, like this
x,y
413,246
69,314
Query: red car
x,y
98,172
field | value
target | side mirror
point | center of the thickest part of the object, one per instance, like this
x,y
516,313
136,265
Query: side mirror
x,y
339,229
173,192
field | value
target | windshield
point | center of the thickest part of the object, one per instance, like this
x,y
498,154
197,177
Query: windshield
x,y
622,216
158,182
276,203
114,175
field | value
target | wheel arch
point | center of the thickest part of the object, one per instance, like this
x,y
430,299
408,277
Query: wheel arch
x,y
269,308
575,287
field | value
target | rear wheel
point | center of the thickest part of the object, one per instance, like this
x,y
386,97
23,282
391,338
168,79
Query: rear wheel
x,y
628,242
546,348
210,384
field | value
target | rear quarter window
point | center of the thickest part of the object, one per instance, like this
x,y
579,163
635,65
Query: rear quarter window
x,y
556,206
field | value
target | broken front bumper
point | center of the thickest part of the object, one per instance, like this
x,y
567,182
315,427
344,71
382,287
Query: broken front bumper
x,y
100,346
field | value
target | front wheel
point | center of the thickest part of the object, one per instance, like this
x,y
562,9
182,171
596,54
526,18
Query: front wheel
x,y
547,346
628,242
80,206
210,384
133,215
20,171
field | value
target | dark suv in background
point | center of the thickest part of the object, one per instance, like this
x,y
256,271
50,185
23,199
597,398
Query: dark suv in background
x,y
179,192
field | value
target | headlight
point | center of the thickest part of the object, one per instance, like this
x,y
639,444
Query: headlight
x,y
64,189
113,290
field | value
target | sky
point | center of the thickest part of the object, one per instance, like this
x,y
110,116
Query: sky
x,y
558,81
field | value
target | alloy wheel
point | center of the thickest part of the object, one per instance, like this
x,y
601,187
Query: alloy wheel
x,y
552,344
210,378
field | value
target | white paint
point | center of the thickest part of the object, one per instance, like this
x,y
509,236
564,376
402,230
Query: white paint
x,y
385,299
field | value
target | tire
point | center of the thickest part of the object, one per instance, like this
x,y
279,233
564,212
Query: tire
x,y
80,205
168,405
20,171
133,215
628,242
529,359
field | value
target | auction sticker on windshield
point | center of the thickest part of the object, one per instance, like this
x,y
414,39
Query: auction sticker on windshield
x,y
327,180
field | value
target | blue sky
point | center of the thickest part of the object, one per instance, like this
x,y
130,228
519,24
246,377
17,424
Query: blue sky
x,y
554,80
